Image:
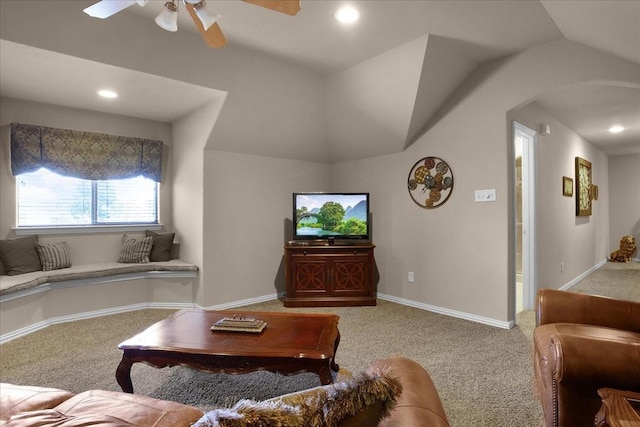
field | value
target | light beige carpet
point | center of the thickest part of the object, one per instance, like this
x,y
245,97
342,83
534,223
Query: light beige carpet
x,y
614,279
483,374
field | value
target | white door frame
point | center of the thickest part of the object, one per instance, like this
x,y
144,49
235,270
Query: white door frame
x,y
528,214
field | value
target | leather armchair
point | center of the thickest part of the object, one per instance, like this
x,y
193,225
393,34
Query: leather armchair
x,y
583,343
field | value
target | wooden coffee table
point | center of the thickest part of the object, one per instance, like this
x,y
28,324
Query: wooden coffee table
x,y
291,343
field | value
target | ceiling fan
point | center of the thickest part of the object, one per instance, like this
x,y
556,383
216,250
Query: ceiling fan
x,y
201,13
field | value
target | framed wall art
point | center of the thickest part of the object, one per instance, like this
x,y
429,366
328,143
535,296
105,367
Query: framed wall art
x,y
567,186
583,187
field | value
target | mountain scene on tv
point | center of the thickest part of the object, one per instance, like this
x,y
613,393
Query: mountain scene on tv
x,y
331,215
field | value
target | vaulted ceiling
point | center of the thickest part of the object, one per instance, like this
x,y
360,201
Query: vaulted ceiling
x,y
416,53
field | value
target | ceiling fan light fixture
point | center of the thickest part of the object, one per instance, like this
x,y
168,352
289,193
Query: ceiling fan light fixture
x,y
616,129
206,16
168,18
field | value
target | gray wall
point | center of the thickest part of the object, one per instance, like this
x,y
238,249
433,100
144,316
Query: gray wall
x,y
580,242
247,220
460,252
624,199
233,173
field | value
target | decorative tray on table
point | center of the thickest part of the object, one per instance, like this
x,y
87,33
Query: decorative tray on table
x,y
238,323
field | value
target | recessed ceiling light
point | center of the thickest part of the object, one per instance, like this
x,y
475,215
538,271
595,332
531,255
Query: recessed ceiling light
x,y
616,129
347,15
106,93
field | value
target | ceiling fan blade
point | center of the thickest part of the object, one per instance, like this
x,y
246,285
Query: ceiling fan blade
x,y
289,7
105,8
212,36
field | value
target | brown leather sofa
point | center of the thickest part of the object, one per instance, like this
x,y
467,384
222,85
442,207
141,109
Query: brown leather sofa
x,y
418,405
583,343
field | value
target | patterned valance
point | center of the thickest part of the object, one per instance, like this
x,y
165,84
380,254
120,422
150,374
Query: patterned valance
x,y
86,155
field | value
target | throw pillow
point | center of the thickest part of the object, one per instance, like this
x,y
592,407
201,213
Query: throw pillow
x,y
247,413
162,246
135,251
346,402
54,256
19,255
360,401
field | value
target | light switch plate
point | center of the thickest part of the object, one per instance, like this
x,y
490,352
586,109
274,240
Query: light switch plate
x,y
485,195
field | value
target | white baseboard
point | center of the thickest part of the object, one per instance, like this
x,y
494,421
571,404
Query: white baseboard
x,y
240,303
449,312
583,275
243,302
401,301
123,309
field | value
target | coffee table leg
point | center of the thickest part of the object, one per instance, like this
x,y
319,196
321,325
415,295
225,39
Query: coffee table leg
x,y
334,365
325,375
123,374
325,372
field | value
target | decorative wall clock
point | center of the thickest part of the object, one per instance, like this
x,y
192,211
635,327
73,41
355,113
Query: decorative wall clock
x,y
430,182
583,187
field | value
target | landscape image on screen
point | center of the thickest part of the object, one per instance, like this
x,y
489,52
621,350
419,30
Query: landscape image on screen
x,y
331,215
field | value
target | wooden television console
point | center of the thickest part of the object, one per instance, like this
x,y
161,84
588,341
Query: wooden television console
x,y
329,275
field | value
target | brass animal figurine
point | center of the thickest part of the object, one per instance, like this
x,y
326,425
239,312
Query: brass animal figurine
x,y
627,248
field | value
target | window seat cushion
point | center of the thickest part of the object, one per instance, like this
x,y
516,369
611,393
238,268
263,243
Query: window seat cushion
x,y
9,284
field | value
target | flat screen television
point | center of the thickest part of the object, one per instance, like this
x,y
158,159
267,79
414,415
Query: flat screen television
x,y
331,216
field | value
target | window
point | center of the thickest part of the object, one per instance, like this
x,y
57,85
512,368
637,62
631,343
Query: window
x,y
49,199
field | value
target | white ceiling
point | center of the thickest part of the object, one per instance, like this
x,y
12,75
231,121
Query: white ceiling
x,y
76,79
591,110
483,29
314,38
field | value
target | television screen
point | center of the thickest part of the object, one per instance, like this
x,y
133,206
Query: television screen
x,y
331,216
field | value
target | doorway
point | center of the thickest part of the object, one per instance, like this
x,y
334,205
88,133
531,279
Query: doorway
x,y
524,161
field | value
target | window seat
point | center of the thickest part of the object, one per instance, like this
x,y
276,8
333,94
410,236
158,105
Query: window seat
x,y
95,273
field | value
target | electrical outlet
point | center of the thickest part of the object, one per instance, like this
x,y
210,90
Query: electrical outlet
x,y
411,277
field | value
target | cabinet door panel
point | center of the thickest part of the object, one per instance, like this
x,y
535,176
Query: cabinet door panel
x,y
309,275
350,276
